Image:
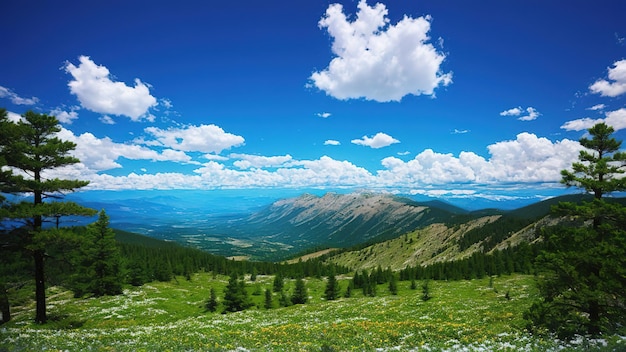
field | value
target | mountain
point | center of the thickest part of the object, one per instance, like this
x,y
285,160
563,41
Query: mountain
x,y
339,220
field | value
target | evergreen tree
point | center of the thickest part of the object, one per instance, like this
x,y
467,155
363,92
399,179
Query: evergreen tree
x,y
99,262
283,299
582,269
31,147
393,285
268,303
300,294
332,288
235,295
279,282
211,303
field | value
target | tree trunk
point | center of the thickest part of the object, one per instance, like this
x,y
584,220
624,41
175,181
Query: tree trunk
x,y
40,287
5,307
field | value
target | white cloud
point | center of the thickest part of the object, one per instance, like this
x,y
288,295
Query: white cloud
x,y
95,91
615,119
215,157
404,153
16,99
380,140
100,154
378,61
323,115
65,116
247,161
597,107
528,158
512,112
107,120
615,85
457,131
518,111
203,138
332,142
14,117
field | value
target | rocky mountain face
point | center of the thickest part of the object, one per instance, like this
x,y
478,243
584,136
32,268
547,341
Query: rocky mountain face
x,y
341,220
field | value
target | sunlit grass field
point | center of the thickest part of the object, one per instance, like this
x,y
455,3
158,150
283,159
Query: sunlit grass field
x,y
462,315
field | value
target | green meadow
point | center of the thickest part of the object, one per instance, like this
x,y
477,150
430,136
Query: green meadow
x,y
474,315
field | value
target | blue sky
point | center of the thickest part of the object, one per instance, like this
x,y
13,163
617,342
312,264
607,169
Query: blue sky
x,y
454,99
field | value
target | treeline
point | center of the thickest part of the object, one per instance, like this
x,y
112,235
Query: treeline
x,y
143,260
493,233
518,259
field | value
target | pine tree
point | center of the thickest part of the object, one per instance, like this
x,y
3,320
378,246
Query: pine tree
x,y
268,303
582,269
211,303
332,288
235,296
393,285
99,261
30,150
300,294
279,282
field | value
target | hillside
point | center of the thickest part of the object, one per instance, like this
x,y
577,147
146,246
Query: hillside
x,y
441,242
337,220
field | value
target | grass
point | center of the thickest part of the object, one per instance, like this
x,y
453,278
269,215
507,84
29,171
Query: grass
x,y
462,315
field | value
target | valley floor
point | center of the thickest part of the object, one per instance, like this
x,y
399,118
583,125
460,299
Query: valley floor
x,y
461,316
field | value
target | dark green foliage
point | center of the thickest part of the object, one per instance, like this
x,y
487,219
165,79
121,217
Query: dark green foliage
x,y
582,269
393,285
211,303
31,146
235,295
268,302
279,282
332,290
283,299
99,266
300,294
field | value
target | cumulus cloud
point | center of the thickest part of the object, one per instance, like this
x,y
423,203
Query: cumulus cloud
x,y
100,154
615,85
332,142
518,112
376,60
615,119
528,158
96,91
379,140
16,99
247,161
203,138
66,117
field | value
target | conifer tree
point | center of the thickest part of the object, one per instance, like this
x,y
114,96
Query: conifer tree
x,y
582,269
99,263
29,150
211,303
300,294
393,285
279,282
332,288
235,295
268,303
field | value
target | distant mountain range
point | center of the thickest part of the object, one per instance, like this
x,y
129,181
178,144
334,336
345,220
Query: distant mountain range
x,y
278,229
